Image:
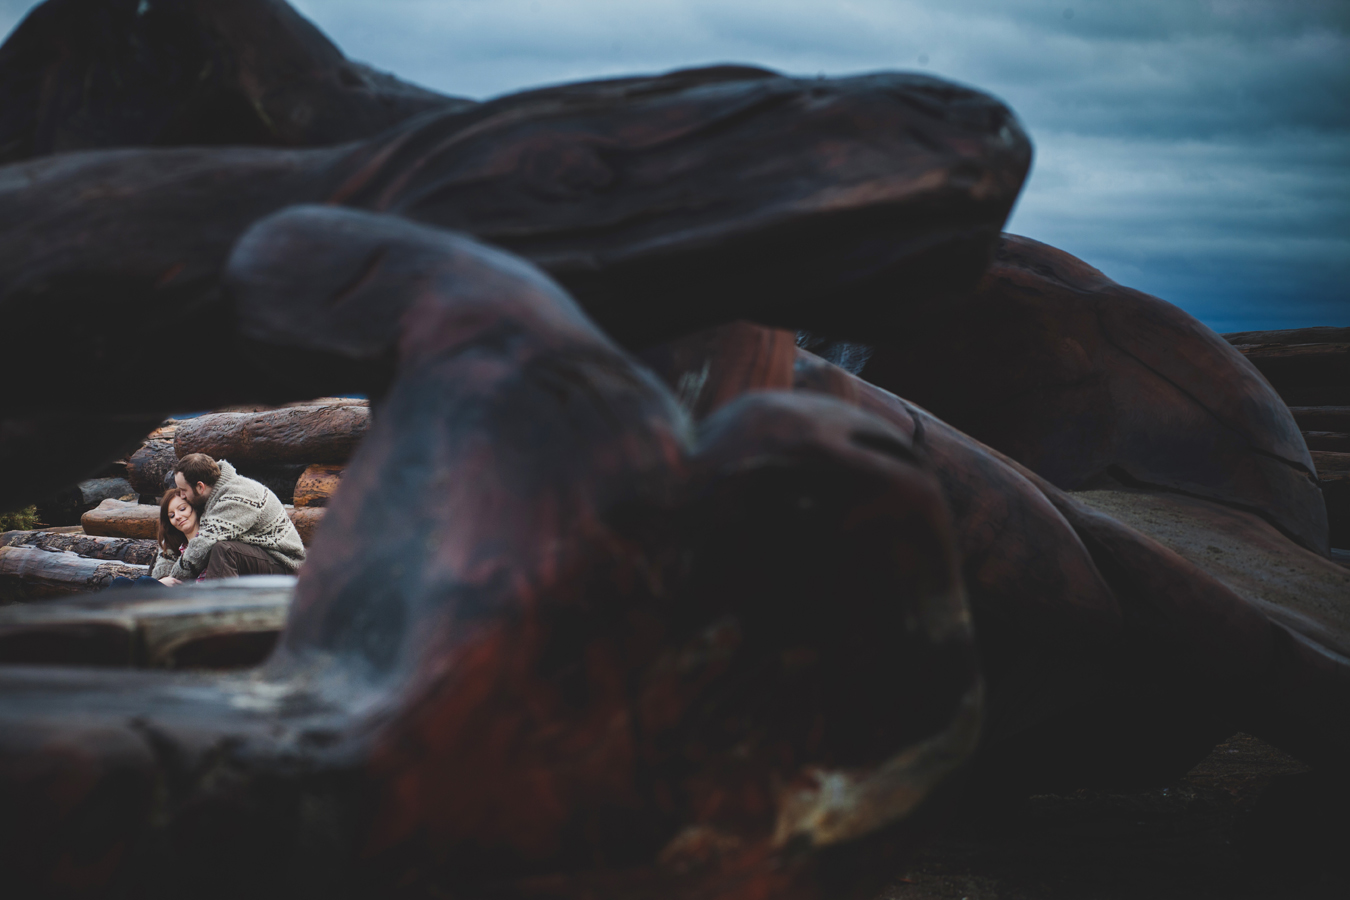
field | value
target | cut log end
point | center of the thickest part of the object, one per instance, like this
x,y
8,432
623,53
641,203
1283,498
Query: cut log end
x,y
316,485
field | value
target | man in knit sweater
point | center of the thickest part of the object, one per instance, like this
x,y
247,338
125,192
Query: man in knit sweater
x,y
244,529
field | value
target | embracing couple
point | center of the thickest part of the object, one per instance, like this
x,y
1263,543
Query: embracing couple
x,y
218,524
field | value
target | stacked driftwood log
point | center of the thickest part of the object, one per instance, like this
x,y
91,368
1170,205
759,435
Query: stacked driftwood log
x,y
1310,367
736,497
298,451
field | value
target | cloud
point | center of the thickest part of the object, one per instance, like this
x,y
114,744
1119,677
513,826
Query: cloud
x,y
1196,149
1252,232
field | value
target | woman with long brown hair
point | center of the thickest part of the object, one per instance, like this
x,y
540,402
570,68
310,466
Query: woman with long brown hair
x,y
178,521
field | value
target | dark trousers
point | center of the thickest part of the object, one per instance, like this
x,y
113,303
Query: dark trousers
x,y
122,581
230,559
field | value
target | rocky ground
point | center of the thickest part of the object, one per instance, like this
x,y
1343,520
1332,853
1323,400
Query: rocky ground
x,y
1248,822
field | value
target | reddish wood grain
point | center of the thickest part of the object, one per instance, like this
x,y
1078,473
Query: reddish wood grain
x,y
610,657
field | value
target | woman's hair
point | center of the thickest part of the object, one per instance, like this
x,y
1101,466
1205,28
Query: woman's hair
x,y
171,540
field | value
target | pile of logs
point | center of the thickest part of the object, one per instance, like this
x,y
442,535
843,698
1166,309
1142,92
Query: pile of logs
x,y
737,494
36,565
298,451
1310,367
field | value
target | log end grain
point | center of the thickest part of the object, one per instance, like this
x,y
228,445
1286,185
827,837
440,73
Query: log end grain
x,y
316,485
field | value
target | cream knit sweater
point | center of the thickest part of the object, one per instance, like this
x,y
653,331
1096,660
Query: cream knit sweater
x,y
239,509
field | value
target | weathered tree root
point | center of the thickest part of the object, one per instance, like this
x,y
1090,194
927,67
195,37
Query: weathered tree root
x,y
1121,633
1166,652
548,644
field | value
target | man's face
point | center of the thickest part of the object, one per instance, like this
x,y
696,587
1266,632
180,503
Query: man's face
x,y
195,493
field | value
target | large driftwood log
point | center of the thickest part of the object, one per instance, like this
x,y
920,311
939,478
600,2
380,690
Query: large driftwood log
x,y
1308,366
843,210
1113,655
317,485
1333,471
1335,442
150,469
1047,625
279,478
1322,418
122,519
129,550
1081,379
31,573
650,198
1330,463
225,624
1199,651
301,434
602,660
320,401
115,518
86,74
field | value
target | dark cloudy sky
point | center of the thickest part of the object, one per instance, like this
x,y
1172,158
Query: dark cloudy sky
x,y
1195,149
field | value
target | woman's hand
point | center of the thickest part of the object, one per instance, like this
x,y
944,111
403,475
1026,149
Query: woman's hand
x,y
169,580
